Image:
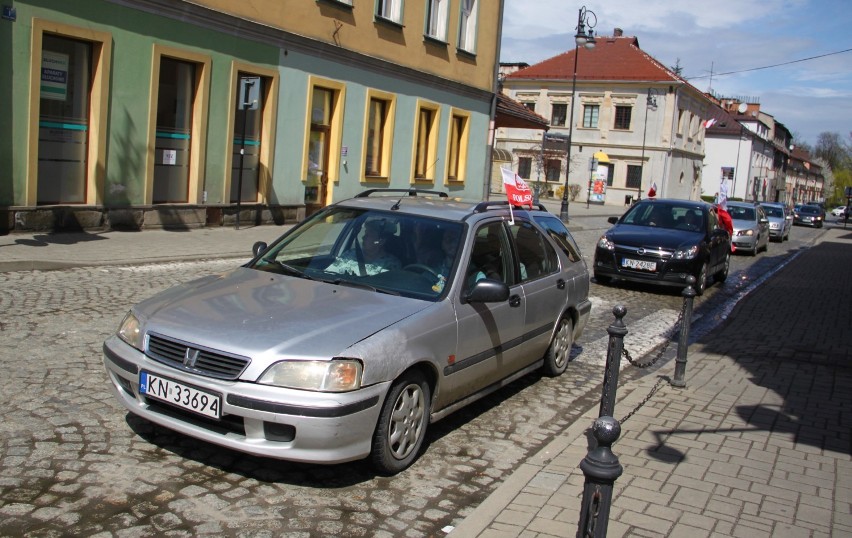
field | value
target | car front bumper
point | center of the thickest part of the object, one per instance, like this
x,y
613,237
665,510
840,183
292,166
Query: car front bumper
x,y
262,420
745,242
667,272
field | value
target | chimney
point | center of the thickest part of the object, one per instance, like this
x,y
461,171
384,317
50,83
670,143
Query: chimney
x,y
618,32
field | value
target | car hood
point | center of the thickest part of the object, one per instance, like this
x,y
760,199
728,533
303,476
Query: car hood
x,y
650,237
256,314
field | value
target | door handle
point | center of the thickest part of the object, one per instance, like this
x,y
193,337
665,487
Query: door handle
x,y
560,284
514,301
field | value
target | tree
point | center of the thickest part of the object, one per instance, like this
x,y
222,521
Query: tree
x,y
677,69
830,148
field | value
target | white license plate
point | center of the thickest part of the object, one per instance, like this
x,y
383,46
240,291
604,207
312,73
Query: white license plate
x,y
180,395
639,264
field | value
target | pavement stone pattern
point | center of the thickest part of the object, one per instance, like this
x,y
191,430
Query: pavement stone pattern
x,y
754,445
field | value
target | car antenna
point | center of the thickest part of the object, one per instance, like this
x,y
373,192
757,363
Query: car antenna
x,y
409,192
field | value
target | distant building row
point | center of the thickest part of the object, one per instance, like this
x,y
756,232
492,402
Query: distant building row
x,y
636,124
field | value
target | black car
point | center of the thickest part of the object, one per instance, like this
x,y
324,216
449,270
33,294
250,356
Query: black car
x,y
664,241
809,215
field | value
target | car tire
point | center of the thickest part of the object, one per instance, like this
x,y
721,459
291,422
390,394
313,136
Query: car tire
x,y
402,424
701,280
559,353
722,275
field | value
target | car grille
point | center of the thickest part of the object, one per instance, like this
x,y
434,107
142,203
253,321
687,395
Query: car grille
x,y
644,253
195,359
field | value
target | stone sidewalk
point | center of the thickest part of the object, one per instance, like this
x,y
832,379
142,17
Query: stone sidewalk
x,y
757,444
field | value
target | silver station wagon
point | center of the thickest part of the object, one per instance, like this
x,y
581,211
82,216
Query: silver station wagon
x,y
356,329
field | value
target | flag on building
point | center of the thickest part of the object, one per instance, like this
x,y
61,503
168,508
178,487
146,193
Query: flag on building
x,y
652,192
710,123
517,190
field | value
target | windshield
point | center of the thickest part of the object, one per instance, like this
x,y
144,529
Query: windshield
x,y
810,210
666,215
741,213
773,211
386,252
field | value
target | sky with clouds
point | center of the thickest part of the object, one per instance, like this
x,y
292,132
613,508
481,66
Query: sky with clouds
x,y
737,40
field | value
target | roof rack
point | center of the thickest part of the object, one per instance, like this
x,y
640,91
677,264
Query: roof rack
x,y
411,192
482,207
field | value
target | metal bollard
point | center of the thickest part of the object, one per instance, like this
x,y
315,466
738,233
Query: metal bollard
x,y
601,466
617,331
683,341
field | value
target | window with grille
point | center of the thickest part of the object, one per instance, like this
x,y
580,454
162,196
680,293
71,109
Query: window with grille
x,y
622,117
558,113
524,167
552,169
634,176
590,116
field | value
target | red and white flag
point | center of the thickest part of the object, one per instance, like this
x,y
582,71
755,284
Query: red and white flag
x,y
652,192
710,123
517,190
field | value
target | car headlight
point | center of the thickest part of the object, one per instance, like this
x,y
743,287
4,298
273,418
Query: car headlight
x,y
605,243
324,376
685,253
130,332
746,232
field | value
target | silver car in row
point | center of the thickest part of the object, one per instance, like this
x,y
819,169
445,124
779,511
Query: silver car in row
x,y
352,332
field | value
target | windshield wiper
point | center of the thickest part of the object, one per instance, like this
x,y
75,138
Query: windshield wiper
x,y
352,284
289,269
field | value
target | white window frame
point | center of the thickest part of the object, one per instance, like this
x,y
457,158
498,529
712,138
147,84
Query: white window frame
x,y
437,15
468,12
389,10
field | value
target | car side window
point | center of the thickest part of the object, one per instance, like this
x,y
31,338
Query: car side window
x,y
536,256
557,231
490,256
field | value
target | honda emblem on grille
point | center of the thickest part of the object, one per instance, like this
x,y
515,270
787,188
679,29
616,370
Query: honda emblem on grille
x,y
190,357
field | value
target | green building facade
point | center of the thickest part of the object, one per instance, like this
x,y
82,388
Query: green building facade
x,y
139,114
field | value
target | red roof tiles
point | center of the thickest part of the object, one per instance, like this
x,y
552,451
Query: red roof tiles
x,y
613,58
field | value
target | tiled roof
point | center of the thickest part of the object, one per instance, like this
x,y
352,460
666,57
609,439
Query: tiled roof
x,y
511,113
613,59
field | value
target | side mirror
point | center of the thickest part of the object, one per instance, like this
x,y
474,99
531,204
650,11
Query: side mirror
x,y
488,290
259,248
612,220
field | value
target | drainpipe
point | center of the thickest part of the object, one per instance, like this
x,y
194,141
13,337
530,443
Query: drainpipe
x,y
489,158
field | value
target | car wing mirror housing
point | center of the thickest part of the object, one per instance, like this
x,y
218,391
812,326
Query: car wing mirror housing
x,y
488,290
612,220
259,248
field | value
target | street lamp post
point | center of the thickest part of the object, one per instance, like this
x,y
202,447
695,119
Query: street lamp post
x,y
585,37
651,102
